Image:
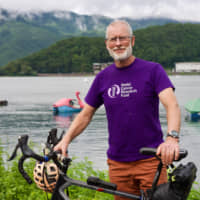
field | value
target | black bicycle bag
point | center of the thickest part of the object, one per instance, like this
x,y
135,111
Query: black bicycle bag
x,y
179,184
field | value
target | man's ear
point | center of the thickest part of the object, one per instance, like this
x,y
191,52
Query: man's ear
x,y
133,40
105,42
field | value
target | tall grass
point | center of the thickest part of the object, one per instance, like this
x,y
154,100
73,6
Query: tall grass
x,y
195,192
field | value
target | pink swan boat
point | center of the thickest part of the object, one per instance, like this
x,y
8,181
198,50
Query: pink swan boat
x,y
65,105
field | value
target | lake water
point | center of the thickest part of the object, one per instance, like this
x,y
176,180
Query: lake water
x,y
29,111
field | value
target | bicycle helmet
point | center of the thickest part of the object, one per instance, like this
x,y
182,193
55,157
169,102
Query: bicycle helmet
x,y
45,176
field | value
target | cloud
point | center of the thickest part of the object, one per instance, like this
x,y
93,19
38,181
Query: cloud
x,y
176,9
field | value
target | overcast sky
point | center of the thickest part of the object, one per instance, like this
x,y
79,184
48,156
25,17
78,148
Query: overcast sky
x,y
176,9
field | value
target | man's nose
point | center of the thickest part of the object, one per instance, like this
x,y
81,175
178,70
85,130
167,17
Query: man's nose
x,y
118,42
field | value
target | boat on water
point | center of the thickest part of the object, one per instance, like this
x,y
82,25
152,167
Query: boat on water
x,y
3,102
66,105
193,108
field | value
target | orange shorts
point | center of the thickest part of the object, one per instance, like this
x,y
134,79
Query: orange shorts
x,y
134,176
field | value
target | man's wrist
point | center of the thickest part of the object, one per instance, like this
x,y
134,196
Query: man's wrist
x,y
172,139
173,134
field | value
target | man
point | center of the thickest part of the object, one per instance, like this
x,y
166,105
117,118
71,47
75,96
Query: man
x,y
130,90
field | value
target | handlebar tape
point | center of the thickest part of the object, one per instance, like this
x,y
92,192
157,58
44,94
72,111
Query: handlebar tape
x,y
22,171
152,152
100,183
21,163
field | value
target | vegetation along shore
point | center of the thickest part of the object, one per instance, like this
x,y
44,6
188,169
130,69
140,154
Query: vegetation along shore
x,y
165,44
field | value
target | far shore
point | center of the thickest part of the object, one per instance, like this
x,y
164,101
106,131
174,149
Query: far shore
x,y
65,74
92,74
53,75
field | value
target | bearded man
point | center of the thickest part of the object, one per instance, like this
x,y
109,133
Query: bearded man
x,y
130,90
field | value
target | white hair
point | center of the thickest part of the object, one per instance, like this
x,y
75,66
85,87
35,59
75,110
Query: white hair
x,y
120,22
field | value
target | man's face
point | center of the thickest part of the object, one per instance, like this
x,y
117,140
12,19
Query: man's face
x,y
119,43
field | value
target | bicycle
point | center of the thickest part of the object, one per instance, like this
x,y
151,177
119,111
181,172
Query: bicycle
x,y
177,188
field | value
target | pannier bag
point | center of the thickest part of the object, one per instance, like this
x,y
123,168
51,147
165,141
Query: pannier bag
x,y
179,184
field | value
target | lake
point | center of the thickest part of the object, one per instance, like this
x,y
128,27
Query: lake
x,y
29,111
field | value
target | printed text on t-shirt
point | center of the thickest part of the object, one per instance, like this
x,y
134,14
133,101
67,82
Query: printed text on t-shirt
x,y
124,90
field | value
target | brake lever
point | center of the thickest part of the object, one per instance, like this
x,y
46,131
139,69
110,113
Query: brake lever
x,y
27,153
52,138
14,154
22,143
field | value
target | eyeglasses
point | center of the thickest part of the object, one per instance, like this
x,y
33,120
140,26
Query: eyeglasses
x,y
120,38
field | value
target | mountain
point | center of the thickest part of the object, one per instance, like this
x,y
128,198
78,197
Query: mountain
x,y
165,44
22,33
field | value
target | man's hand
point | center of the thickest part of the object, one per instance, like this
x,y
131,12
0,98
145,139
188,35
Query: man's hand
x,y
168,150
78,125
62,146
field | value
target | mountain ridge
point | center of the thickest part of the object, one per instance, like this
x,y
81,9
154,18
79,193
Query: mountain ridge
x,y
23,33
166,45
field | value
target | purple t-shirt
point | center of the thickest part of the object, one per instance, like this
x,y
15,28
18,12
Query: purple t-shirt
x,y
130,97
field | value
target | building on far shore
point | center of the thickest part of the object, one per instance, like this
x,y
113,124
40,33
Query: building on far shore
x,y
187,67
97,67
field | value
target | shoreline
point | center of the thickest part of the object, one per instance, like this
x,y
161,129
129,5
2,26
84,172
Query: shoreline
x,y
92,74
64,74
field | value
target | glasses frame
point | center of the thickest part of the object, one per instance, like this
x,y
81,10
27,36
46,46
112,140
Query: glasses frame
x,y
120,38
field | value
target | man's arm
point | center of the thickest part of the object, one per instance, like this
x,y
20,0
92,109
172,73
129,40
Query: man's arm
x,y
78,125
170,148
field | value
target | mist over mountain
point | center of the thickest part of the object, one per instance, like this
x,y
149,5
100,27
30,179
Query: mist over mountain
x,y
22,33
70,22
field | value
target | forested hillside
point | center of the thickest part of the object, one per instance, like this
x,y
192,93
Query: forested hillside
x,y
22,33
21,39
164,44
169,44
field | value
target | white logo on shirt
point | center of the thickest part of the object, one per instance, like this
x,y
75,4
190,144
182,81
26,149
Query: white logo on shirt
x,y
124,90
114,91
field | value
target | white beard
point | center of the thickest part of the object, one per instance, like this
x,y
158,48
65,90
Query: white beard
x,y
121,56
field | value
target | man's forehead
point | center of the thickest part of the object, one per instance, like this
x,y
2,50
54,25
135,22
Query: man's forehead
x,y
117,25
117,28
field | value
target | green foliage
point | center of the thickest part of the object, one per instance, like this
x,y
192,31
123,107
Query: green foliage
x,y
66,56
81,171
195,192
19,39
18,69
164,44
169,44
13,186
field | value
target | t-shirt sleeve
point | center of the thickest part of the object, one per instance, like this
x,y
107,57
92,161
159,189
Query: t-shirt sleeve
x,y
93,97
161,79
